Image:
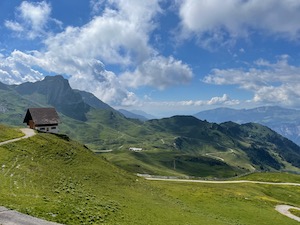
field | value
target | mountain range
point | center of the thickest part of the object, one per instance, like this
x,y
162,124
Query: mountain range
x,y
179,145
284,121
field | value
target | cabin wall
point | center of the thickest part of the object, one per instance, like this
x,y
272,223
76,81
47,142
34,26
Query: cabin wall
x,y
48,129
31,124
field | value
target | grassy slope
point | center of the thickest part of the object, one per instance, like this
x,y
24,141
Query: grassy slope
x,y
106,130
7,133
201,148
60,180
234,203
170,163
272,177
296,212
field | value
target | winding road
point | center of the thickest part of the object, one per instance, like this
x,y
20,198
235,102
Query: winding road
x,y
220,181
11,217
283,209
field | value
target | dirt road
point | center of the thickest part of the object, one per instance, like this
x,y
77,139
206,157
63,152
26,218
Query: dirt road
x,y
284,209
10,217
220,182
28,133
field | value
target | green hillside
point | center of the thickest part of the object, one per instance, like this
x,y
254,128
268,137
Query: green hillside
x,y
7,133
186,146
282,120
58,179
54,178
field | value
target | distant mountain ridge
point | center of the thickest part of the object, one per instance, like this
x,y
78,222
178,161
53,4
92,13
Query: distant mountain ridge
x,y
284,121
129,114
144,114
263,144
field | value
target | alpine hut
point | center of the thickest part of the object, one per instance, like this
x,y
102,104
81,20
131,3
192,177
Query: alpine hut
x,y
42,119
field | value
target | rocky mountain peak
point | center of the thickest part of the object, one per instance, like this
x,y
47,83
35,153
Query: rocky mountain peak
x,y
58,93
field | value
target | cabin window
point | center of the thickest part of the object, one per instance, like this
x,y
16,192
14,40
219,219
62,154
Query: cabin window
x,y
53,128
42,128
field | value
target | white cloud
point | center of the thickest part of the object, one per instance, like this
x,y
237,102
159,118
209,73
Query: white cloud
x,y
214,21
31,19
96,6
36,14
104,84
170,108
224,100
158,72
115,37
14,26
15,70
277,82
214,101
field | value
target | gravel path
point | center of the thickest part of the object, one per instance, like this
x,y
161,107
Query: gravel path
x,y
219,182
28,133
284,209
11,217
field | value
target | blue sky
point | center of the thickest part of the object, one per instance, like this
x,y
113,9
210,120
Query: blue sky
x,y
160,56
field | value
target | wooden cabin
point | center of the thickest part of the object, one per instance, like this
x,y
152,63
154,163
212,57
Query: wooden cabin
x,y
42,119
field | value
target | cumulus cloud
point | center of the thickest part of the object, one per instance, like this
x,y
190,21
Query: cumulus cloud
x,y
215,22
214,101
13,70
31,19
158,72
119,36
277,82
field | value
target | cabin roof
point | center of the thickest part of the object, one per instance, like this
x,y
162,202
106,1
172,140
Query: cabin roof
x,y
42,116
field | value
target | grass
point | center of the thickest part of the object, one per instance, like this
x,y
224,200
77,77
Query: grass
x,y
62,181
234,204
7,133
295,212
171,163
273,177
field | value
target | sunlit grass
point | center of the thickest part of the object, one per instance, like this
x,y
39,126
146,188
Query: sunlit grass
x,y
295,212
273,177
7,133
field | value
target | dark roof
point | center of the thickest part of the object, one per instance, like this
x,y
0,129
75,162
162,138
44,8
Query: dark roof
x,y
42,116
